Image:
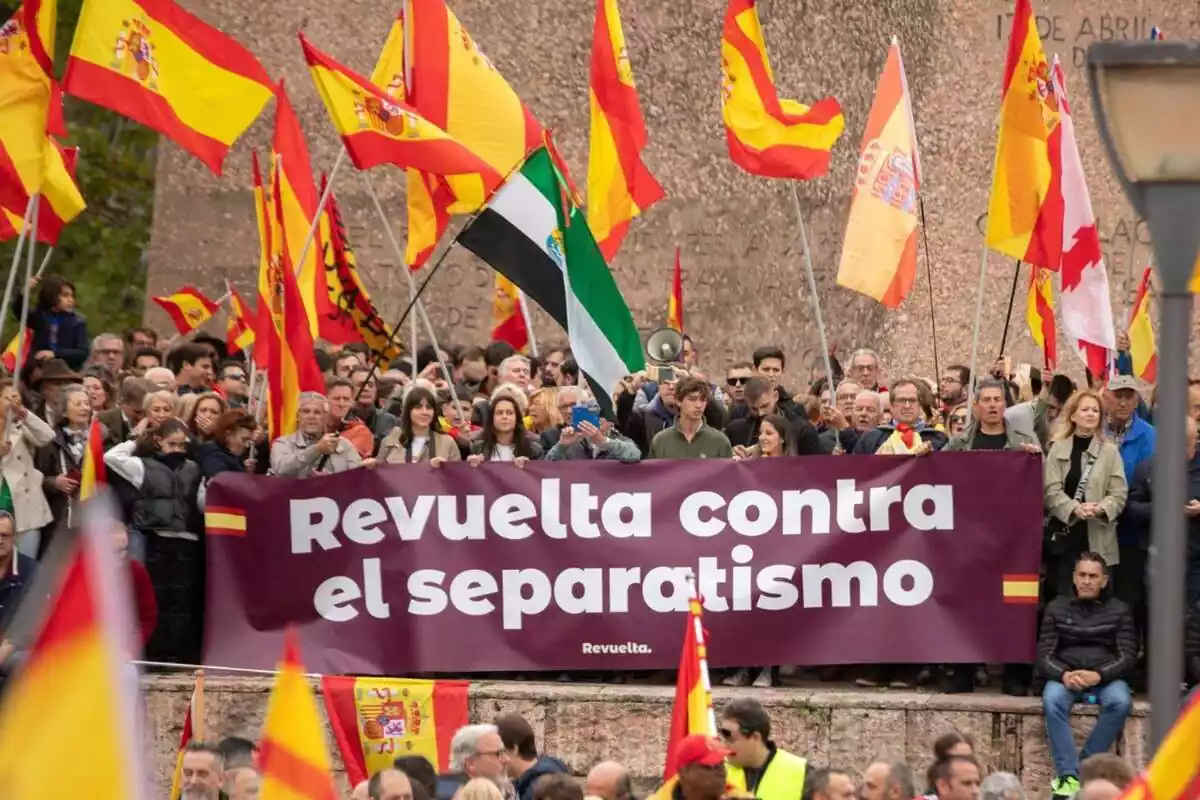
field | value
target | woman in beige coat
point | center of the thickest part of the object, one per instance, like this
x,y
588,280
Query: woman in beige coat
x,y
1078,449
418,439
21,435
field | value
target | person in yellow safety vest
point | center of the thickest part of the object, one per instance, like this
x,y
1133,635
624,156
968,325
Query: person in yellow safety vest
x,y
756,766
700,771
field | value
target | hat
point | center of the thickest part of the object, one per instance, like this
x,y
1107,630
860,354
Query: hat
x,y
55,369
1118,382
699,749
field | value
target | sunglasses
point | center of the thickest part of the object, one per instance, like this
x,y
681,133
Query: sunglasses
x,y
736,381
957,420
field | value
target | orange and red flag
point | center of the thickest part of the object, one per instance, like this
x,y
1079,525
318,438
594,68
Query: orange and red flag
x,y
1039,313
269,264
508,317
767,136
193,728
188,308
294,758
1025,213
675,302
1142,348
92,474
239,327
155,63
879,257
59,192
10,355
373,719
693,708
620,186
1174,772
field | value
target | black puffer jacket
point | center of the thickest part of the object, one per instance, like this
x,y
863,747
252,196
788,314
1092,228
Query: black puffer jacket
x,y
1096,635
1191,645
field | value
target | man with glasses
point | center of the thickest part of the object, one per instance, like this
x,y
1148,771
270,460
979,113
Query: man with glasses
x,y
108,350
757,767
233,383
476,751
864,368
735,384
907,434
954,386
763,399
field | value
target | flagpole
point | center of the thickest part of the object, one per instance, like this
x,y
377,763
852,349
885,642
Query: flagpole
x,y
16,261
812,286
533,348
929,280
1012,296
316,222
975,330
31,247
1126,299
414,299
198,717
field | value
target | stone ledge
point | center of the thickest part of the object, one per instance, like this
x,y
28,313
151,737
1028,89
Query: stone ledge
x,y
586,723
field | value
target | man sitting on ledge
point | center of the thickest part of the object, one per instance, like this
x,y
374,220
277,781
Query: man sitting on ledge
x,y
1086,648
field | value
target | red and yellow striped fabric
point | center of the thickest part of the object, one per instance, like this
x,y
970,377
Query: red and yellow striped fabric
x,y
269,262
1174,772
767,136
193,727
1025,212
239,327
294,759
188,308
620,186
508,318
9,357
29,97
58,203
879,256
693,708
92,474
155,63
1039,313
1142,347
224,521
675,302
1020,589
376,719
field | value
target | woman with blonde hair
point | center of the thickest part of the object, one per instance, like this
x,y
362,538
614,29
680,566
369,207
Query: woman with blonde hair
x,y
543,410
479,789
1084,491
200,411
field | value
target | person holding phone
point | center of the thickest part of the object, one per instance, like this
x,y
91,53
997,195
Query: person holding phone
x,y
589,438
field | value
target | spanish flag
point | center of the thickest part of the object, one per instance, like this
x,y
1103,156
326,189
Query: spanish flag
x,y
1025,213
30,99
75,671
155,63
456,88
675,302
1039,313
693,709
9,357
767,136
1142,348
378,130
224,521
239,327
294,759
58,203
1020,589
269,264
188,308
879,257
92,474
620,187
508,318
1174,772
373,719
193,728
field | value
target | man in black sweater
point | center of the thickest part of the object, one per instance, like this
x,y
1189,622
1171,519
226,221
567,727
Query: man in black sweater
x,y
1086,649
763,399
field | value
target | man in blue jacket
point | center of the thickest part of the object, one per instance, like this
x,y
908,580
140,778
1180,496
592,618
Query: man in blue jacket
x,y
1135,438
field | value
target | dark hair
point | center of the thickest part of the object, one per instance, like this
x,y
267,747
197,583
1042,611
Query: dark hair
x,y
942,768
750,716
324,359
133,391
413,398
564,349
1035,380
419,771
964,373
1061,388
516,732
1107,767
941,751
557,786
690,385
237,752
145,330
990,383
229,422
105,376
187,353
768,351
1094,557
141,352
472,353
197,746
756,387
356,348
425,356
816,781
334,382
496,352
818,386
521,446
901,775
739,365
229,363
146,442
913,382
570,369
787,445
50,289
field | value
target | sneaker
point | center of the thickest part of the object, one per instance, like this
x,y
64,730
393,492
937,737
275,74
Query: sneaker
x,y
1064,786
739,678
763,681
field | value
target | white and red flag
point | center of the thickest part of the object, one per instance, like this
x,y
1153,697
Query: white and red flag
x,y
1086,306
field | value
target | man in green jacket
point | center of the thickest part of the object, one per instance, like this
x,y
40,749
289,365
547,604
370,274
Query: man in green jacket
x,y
690,436
756,767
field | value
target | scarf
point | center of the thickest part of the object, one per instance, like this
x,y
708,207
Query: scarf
x,y
907,434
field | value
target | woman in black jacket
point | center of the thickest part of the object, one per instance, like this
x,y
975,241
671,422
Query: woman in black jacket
x,y
61,461
229,445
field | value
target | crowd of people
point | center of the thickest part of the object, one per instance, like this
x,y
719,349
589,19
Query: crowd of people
x,y
177,412
501,761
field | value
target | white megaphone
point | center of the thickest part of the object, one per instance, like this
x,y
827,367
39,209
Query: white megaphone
x,y
664,345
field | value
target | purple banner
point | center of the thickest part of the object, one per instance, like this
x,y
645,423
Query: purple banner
x,y
816,560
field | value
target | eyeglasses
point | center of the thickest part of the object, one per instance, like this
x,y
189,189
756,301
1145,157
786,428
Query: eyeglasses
x,y
736,381
494,753
957,420
949,380
235,376
904,401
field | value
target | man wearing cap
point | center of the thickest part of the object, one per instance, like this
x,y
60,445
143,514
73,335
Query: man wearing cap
x,y
699,762
53,375
757,767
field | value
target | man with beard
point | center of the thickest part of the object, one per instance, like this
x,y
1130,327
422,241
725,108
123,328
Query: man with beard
x,y
763,398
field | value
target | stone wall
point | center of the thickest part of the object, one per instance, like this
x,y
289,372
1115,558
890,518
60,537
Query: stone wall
x,y
584,724
743,277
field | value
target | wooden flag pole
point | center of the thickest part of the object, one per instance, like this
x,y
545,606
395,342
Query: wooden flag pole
x,y
524,304
1012,296
30,247
975,330
316,223
198,715
16,260
812,287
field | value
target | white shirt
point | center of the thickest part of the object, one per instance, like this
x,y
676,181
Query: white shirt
x,y
503,452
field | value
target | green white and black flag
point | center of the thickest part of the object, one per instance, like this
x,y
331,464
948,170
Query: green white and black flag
x,y
533,234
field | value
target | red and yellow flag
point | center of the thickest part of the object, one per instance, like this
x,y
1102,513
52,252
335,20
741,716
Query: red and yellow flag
x,y
269,264
188,308
155,63
294,759
1174,772
675,302
92,474
193,728
1142,347
1039,313
76,671
767,136
620,187
693,708
58,203
376,719
508,318
458,90
239,327
29,97
879,257
1025,213
9,357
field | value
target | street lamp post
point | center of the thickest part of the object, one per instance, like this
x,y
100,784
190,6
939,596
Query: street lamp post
x,y
1146,99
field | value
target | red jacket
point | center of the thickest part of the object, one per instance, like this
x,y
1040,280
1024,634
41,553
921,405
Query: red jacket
x,y
143,595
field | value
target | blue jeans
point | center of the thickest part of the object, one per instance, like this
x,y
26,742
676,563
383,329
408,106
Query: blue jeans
x,y
1115,704
137,546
